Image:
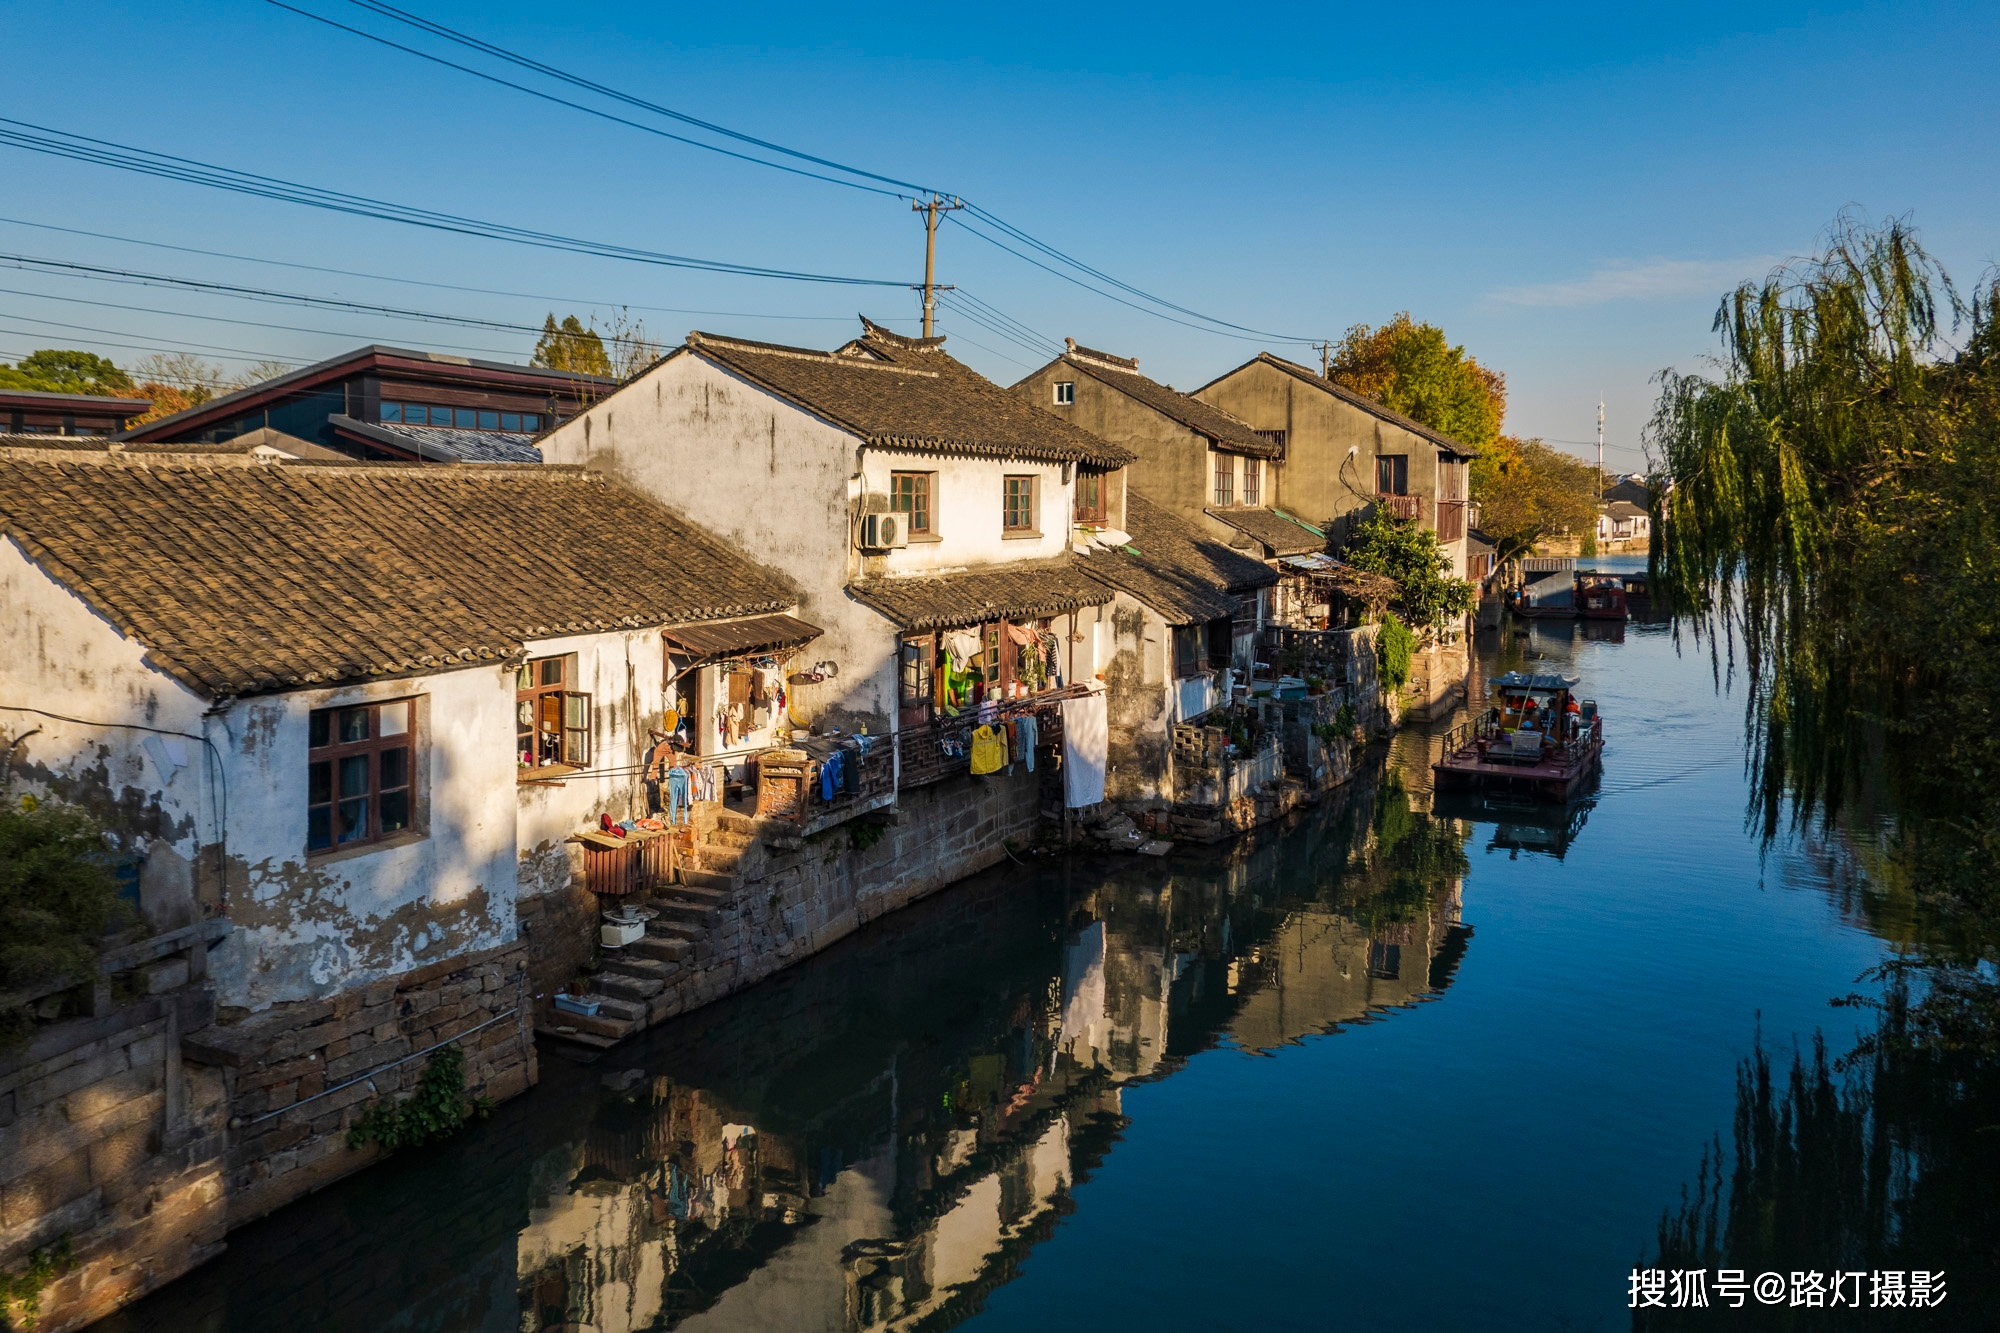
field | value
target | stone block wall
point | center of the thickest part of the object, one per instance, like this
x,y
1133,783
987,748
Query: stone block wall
x,y
110,1142
794,903
299,1076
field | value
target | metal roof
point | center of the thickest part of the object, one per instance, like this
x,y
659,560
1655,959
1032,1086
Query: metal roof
x,y
1553,680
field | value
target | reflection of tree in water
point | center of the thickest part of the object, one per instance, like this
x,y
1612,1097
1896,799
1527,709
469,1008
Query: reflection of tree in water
x,y
1884,1160
1396,873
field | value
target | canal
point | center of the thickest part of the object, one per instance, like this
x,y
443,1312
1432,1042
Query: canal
x,y
1384,1068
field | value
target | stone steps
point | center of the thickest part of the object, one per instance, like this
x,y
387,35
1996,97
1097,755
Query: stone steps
x,y
626,963
660,948
716,883
626,987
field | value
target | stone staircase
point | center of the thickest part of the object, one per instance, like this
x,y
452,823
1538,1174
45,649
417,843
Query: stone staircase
x,y
675,940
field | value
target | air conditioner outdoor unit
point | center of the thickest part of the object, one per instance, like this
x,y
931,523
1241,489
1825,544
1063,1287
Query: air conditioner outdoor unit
x,y
883,532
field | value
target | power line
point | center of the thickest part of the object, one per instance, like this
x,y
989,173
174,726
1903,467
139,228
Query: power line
x,y
104,152
157,345
575,106
498,52
419,282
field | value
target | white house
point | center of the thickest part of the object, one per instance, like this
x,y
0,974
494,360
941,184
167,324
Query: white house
x,y
355,708
1622,521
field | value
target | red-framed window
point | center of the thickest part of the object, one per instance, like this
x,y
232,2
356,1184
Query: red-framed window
x,y
360,774
1090,497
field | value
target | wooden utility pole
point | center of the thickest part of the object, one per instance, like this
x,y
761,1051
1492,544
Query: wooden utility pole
x,y
1325,360
930,208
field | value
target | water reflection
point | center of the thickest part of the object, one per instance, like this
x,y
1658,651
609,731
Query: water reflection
x,y
878,1138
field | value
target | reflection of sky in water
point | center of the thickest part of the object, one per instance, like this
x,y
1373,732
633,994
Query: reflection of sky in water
x,y
1102,1097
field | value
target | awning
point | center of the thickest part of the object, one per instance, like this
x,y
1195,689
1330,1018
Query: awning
x,y
737,638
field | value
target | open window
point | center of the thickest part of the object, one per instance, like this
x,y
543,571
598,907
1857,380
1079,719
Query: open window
x,y
360,774
551,716
1089,497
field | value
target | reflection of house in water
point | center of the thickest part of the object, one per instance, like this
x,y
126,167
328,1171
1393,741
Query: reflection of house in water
x,y
883,1164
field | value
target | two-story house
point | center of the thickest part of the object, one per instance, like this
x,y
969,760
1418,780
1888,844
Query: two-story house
x,y
1346,455
389,403
1190,457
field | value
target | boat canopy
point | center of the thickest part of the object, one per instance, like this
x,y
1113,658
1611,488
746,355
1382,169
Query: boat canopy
x,y
1518,680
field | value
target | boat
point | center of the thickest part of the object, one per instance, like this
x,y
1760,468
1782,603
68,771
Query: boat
x,y
1600,596
1539,740
1519,824
1553,594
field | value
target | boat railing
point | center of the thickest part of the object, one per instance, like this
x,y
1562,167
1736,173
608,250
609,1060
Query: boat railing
x,y
1482,728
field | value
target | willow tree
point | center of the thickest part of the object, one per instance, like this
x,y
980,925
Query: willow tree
x,y
1830,531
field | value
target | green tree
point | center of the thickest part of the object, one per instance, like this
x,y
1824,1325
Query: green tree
x,y
1429,598
571,346
1527,490
56,895
1834,511
58,370
1412,369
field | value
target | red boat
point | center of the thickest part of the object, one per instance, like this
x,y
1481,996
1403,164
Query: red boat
x,y
1540,740
1600,596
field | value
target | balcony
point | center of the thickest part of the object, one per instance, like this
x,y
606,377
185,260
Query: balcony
x,y
1402,506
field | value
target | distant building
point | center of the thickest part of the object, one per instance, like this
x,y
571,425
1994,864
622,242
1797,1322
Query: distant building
x,y
1344,456
31,412
1621,521
391,404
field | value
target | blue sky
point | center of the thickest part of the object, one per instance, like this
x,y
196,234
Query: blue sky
x,y
1567,192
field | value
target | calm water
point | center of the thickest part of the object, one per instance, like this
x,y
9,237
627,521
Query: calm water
x,y
1378,1070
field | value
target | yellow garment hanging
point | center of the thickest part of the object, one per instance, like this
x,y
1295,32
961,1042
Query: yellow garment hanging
x,y
989,751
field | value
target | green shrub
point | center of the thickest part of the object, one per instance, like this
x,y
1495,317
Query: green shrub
x,y
1393,650
437,1110
57,895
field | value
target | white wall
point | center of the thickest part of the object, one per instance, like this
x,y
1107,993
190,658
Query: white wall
x,y
967,498
306,926
758,472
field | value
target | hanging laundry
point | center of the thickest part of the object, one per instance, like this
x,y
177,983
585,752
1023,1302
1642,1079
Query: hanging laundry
x,y
961,646
1024,737
680,796
1020,634
850,773
989,751
830,774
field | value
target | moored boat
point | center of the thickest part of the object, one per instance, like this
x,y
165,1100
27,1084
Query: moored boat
x,y
1538,739
1600,596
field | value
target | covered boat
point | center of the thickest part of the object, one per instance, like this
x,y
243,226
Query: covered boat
x,y
1600,596
1537,740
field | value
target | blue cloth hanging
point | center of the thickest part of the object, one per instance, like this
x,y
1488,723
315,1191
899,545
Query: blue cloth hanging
x,y
680,797
830,774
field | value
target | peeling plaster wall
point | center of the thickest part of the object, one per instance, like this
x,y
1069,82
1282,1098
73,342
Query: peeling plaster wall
x,y
308,927
767,477
64,658
1145,701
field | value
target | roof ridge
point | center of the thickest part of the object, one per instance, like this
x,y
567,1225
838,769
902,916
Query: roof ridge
x,y
1130,363
698,339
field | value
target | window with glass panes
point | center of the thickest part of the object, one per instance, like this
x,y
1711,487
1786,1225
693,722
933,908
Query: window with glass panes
x,y
1253,481
459,418
910,493
1225,479
551,716
1020,504
360,763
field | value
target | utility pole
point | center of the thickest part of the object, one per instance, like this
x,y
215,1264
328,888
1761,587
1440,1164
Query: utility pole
x,y
930,208
1600,451
1325,359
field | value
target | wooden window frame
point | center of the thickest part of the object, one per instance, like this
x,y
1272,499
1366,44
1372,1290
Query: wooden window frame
x,y
333,748
922,486
1225,479
916,678
543,691
1253,481
1033,486
1092,511
1392,474
1190,651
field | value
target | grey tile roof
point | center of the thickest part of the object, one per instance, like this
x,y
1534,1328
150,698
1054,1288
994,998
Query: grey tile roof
x,y
1278,532
1023,591
907,393
1175,568
241,577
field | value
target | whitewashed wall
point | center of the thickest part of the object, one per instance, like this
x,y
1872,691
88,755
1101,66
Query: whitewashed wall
x,y
968,498
777,482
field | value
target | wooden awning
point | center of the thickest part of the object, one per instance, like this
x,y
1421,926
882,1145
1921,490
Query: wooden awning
x,y
707,640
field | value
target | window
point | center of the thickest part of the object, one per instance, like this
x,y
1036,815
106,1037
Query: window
x,y
1225,479
460,418
1190,650
1385,961
1392,474
1019,511
1277,437
910,493
551,717
1090,497
358,774
1065,392
1253,481
915,673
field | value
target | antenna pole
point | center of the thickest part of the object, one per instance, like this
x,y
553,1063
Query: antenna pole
x,y
930,208
1600,450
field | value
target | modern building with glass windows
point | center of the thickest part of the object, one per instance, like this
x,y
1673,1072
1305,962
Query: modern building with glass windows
x,y
391,403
